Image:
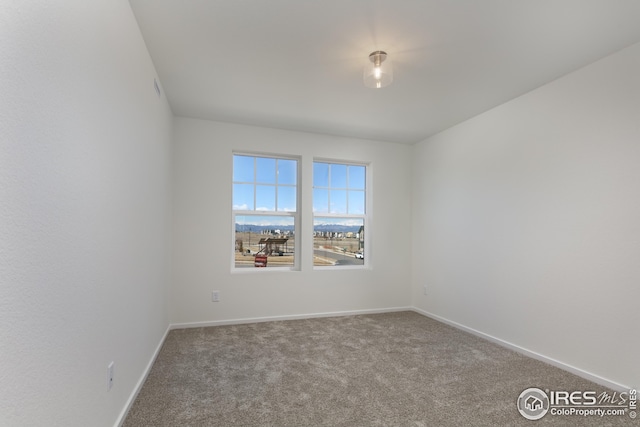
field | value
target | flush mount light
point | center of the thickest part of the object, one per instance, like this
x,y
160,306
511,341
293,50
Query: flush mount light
x,y
378,71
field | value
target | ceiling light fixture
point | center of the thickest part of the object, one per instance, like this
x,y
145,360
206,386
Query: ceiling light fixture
x,y
381,73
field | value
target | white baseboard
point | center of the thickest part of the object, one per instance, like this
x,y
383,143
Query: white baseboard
x,y
286,317
140,383
566,367
532,354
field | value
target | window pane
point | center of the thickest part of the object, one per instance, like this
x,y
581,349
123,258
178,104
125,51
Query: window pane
x,y
357,177
286,199
338,201
356,202
265,170
265,198
320,200
270,236
338,241
243,197
287,171
338,176
242,168
320,174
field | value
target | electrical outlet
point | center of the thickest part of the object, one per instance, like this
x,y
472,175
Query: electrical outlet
x,y
215,296
110,376
424,290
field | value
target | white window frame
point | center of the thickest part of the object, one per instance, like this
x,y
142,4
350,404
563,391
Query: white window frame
x,y
366,216
295,215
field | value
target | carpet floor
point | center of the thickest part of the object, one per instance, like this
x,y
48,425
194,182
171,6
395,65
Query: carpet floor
x,y
391,369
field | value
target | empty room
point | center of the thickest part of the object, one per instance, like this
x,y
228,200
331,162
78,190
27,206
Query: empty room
x,y
332,213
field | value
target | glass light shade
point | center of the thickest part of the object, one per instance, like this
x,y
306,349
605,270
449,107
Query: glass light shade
x,y
378,72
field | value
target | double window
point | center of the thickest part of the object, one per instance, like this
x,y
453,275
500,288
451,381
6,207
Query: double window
x,y
266,212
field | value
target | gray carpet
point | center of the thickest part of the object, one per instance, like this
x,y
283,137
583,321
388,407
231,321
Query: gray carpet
x,y
392,369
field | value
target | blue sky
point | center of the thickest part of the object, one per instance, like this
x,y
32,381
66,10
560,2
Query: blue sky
x,y
266,220
338,189
281,221
265,184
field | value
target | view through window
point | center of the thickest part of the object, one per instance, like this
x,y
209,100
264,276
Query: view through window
x,y
265,211
339,194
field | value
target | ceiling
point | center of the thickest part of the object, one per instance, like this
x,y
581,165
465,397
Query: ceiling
x,y
298,64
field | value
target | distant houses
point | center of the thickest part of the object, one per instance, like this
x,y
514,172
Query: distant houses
x,y
290,233
336,234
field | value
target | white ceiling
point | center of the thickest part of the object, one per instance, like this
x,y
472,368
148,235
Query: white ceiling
x,y
297,64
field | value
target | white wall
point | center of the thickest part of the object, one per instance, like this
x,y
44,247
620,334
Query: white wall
x,y
202,228
526,220
84,211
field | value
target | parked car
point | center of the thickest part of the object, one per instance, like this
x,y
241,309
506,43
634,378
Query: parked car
x,y
360,255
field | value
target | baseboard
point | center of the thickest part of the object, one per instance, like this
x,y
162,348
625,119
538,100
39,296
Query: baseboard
x,y
532,354
143,378
558,364
287,317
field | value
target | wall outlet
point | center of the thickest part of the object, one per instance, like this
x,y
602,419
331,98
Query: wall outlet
x,y
110,376
215,296
424,290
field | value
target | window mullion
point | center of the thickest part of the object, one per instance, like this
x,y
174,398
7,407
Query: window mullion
x,y
255,186
329,189
347,189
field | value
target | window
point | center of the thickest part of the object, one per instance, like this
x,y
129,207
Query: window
x,y
339,214
265,211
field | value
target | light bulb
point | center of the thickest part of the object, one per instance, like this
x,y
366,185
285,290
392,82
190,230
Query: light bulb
x,y
378,72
